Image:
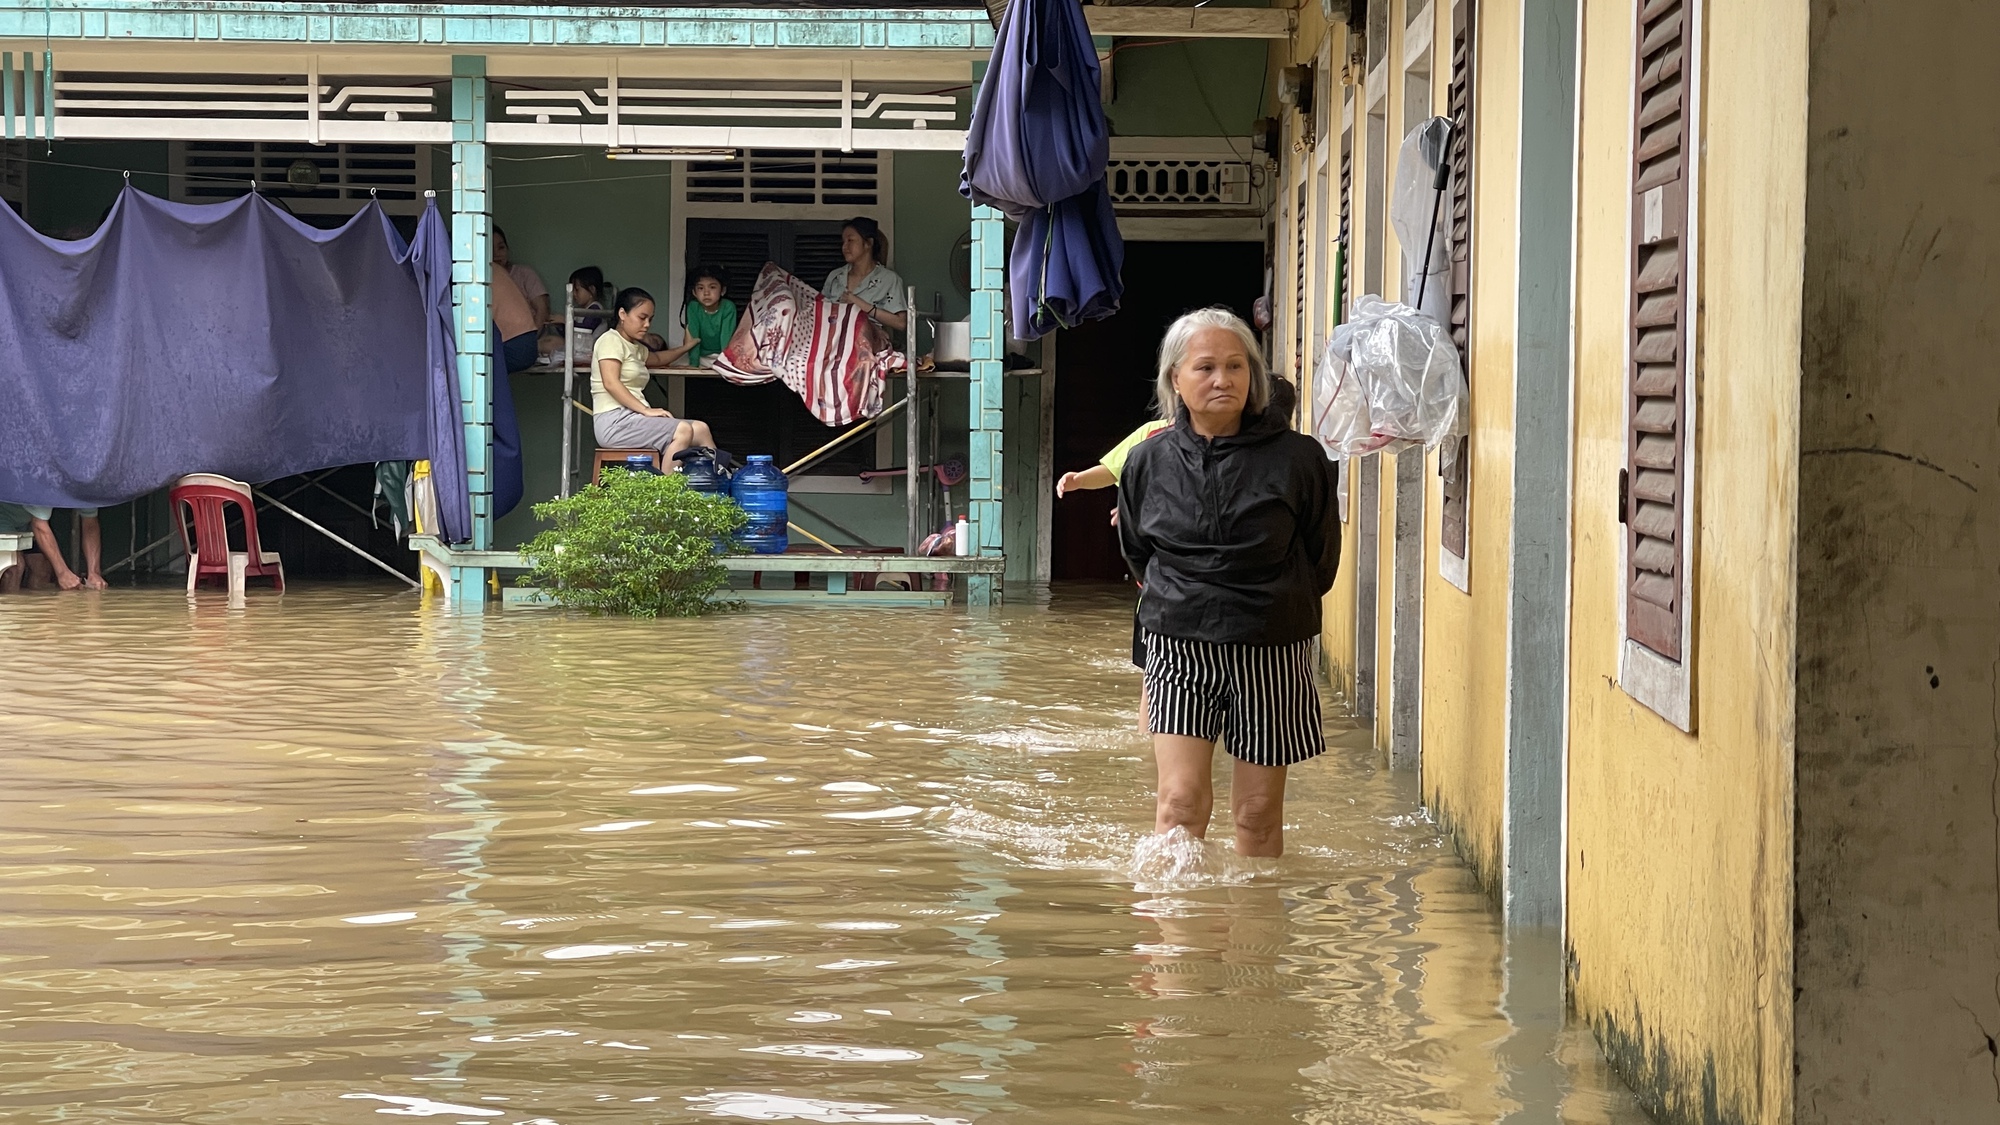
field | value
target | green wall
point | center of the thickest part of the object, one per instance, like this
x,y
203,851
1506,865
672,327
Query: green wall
x,y
566,208
1188,88
930,217
563,209
70,187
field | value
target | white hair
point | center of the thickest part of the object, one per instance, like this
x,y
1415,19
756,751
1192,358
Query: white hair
x,y
1174,352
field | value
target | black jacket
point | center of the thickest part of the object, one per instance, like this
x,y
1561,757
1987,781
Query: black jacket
x,y
1234,540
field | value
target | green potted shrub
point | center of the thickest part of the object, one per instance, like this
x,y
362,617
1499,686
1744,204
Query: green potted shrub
x,y
641,544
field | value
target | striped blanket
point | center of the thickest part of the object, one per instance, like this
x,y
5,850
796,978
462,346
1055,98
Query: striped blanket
x,y
829,354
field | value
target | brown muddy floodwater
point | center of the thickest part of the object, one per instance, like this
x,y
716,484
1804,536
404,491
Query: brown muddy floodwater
x,y
339,854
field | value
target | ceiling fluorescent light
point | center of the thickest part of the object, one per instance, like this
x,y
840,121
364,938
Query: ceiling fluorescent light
x,y
670,153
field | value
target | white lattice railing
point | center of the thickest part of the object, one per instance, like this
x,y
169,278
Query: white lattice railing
x,y
806,113
630,101
1160,182
621,112
385,103
308,110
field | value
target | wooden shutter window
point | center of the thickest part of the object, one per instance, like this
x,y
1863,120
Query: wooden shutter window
x,y
1656,553
1459,107
1299,332
1457,480
1346,243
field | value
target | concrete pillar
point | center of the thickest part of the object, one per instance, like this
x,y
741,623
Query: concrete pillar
x,y
1897,808
987,400
471,283
1406,622
1364,522
1538,563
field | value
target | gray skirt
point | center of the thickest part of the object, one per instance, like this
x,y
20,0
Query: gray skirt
x,y
619,428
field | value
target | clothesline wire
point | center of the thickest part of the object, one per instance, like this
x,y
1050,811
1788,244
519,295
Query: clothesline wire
x,y
247,182
127,172
588,180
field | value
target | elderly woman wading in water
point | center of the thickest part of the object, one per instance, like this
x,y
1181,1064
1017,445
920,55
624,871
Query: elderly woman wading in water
x,y
1228,519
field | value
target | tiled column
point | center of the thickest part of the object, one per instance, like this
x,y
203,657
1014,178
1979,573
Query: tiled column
x,y
471,284
989,341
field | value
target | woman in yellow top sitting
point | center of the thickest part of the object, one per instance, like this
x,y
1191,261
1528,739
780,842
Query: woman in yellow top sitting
x,y
619,363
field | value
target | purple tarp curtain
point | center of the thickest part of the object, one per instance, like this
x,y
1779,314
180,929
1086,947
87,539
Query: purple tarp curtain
x,y
429,261
1036,150
224,338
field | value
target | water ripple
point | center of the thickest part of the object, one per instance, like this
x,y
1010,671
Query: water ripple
x,y
338,854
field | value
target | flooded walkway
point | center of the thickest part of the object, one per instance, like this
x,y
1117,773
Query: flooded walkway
x,y
336,855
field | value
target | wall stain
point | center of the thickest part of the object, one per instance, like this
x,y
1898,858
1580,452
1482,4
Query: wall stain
x,y
1911,458
1660,1080
1485,869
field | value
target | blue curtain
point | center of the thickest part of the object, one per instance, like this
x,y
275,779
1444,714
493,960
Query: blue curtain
x,y
1036,150
225,338
428,258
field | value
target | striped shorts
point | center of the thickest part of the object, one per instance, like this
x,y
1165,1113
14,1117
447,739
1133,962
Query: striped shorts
x,y
1260,700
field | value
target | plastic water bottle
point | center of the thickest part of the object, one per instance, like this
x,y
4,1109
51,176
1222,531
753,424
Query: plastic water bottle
x,y
702,475
641,463
962,537
760,490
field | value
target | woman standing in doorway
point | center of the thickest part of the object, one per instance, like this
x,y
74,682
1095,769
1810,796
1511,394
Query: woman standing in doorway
x,y
1228,518
866,281
618,376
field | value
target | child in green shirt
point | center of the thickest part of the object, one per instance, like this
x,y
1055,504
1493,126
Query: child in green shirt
x,y
708,316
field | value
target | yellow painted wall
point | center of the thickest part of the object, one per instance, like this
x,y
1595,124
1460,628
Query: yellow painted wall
x,y
1680,846
1312,37
1465,631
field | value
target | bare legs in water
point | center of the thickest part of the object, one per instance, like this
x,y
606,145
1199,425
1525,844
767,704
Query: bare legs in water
x,y
1187,795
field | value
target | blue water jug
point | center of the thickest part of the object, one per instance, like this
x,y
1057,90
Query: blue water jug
x,y
702,474
642,463
759,488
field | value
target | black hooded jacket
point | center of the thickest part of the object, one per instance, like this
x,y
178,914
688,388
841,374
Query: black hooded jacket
x,y
1234,540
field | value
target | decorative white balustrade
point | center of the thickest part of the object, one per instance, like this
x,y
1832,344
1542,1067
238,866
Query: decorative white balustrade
x,y
309,110
389,103
823,113
1161,182
602,103
829,114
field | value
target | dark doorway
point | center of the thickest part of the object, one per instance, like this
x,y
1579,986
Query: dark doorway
x,y
1104,379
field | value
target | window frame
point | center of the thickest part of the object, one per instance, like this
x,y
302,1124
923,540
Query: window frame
x,y
882,211
1662,684
403,201
1454,566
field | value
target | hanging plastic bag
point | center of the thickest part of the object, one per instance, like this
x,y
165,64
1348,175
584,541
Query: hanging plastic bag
x,y
1389,380
1420,211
